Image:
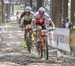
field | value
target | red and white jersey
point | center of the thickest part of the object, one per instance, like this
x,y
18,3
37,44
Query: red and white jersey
x,y
37,15
41,20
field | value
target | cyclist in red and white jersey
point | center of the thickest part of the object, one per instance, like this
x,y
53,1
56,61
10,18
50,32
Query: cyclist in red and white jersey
x,y
41,18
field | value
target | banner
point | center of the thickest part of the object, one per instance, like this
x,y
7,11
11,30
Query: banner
x,y
59,38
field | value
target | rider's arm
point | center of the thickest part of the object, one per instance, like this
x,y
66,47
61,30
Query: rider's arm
x,y
22,14
33,20
22,19
33,23
51,23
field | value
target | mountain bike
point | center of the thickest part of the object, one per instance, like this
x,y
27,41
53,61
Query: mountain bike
x,y
42,43
29,39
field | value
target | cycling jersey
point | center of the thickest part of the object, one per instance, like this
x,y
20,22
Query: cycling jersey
x,y
41,20
27,20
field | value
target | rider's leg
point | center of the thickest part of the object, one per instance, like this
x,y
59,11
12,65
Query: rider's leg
x,y
25,41
32,39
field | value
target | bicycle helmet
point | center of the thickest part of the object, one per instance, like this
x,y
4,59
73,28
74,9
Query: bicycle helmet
x,y
41,10
28,9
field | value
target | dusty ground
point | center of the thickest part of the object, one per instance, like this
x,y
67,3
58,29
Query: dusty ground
x,y
12,52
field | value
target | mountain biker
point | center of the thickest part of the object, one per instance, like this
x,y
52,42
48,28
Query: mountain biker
x,y
41,21
26,19
41,18
23,13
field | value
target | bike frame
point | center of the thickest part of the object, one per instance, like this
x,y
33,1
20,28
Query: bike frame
x,y
43,41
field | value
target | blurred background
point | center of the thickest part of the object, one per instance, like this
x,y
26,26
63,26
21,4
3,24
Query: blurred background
x,y
57,9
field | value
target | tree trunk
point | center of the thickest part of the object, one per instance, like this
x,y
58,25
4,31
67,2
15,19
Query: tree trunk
x,y
57,12
65,8
31,3
39,4
73,11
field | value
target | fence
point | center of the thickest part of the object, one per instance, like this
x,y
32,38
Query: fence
x,y
59,39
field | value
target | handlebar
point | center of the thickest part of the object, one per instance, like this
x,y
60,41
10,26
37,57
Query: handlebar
x,y
50,28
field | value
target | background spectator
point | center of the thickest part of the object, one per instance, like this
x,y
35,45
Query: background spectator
x,y
67,23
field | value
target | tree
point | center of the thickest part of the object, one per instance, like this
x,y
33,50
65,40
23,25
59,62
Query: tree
x,y
73,11
59,11
39,4
31,3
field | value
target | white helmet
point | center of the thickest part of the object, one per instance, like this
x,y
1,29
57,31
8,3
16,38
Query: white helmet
x,y
28,9
41,9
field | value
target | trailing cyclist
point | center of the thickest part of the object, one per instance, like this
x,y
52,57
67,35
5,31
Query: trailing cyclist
x,y
26,19
27,9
